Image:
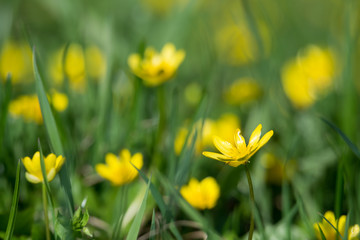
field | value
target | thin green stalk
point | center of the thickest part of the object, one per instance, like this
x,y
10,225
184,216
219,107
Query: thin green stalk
x,y
47,229
252,199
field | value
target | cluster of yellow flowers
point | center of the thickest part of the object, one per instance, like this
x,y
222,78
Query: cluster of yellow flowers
x,y
156,68
223,127
28,107
76,65
329,231
309,75
15,59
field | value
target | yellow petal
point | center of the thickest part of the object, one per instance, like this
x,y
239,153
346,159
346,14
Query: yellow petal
x,y
125,155
255,137
240,141
236,163
210,191
329,215
134,61
137,160
28,164
59,162
354,232
103,170
225,147
36,163
31,178
51,174
50,162
111,160
265,138
217,156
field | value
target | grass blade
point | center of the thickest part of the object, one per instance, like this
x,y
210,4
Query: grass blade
x,y
153,227
14,205
135,226
352,146
52,132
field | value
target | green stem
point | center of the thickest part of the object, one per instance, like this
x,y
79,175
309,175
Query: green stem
x,y
45,204
252,199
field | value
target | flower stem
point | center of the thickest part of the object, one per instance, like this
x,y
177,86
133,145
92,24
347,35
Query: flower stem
x,y
252,199
45,204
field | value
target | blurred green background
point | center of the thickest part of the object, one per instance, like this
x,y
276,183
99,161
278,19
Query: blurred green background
x,y
305,169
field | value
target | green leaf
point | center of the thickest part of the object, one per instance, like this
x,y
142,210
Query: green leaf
x,y
352,146
14,205
153,227
135,226
52,132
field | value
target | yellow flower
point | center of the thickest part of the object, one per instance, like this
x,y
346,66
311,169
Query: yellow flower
x,y
28,107
75,67
275,169
308,76
118,170
53,165
240,153
95,62
59,100
15,58
156,68
242,91
330,233
201,195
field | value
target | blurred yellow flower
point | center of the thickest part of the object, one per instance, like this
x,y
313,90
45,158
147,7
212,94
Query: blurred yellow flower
x,y
118,170
223,127
201,195
53,165
330,233
156,68
15,58
78,65
240,153
59,101
28,107
275,169
308,76
75,67
242,91
95,62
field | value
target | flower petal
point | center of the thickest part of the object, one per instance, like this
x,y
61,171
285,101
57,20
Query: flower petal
x,y
240,141
225,147
59,162
28,164
111,160
125,155
51,174
50,162
265,138
103,170
255,137
137,160
217,156
31,178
